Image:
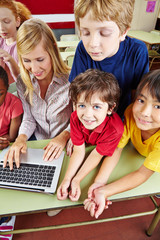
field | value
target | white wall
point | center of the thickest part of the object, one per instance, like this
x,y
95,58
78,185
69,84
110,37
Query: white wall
x,y
143,20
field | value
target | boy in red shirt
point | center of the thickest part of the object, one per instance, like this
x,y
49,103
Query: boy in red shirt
x,y
95,95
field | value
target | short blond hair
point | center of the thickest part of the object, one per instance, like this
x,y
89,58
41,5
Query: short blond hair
x,y
29,35
118,11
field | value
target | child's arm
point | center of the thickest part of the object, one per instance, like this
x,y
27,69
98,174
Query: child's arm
x,y
14,127
69,147
13,132
13,66
90,163
125,183
106,169
74,163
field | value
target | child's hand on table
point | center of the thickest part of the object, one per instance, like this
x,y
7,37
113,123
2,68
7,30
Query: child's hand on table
x,y
62,192
97,203
94,186
75,192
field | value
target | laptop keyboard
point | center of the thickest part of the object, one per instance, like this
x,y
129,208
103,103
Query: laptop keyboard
x,y
28,174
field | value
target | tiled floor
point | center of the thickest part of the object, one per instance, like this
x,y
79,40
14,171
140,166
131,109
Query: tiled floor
x,y
129,229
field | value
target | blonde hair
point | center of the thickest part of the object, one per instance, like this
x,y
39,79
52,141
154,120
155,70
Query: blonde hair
x,y
18,9
118,11
29,35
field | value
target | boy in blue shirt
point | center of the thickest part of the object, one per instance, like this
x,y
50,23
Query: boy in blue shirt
x,y
103,27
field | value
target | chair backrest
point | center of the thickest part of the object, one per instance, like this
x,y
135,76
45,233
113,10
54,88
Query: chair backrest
x,y
154,57
70,49
69,60
12,88
69,37
153,53
154,31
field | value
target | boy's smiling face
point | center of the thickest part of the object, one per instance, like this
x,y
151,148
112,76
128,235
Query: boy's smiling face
x,y
93,112
101,39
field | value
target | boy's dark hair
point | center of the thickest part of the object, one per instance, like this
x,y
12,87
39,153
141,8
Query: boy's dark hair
x,y
151,81
4,76
93,81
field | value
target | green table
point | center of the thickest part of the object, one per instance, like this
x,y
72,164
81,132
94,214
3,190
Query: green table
x,y
147,37
64,55
14,202
64,44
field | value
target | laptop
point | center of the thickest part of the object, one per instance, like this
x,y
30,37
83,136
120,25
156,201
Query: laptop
x,y
34,173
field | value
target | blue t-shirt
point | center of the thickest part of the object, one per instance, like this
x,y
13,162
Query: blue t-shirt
x,y
128,65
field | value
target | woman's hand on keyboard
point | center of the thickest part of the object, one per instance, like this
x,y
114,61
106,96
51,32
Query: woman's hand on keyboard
x,y
13,154
55,147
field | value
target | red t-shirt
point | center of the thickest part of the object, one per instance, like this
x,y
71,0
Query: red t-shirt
x,y
106,136
11,108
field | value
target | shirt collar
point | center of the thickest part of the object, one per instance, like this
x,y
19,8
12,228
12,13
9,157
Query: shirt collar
x,y
60,80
